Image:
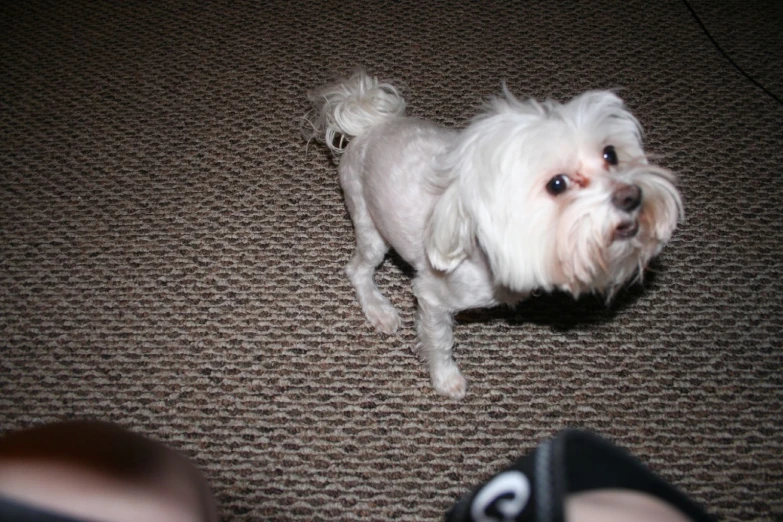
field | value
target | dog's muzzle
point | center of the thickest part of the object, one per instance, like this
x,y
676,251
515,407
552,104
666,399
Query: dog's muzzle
x,y
627,198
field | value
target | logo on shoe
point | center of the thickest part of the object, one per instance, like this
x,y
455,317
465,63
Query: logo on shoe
x,y
502,499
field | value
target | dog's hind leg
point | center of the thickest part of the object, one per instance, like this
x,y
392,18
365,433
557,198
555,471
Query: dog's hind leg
x,y
370,251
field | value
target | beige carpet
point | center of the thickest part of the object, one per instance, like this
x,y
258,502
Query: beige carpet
x,y
171,254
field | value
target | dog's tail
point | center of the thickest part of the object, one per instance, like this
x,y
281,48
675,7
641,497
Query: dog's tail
x,y
350,108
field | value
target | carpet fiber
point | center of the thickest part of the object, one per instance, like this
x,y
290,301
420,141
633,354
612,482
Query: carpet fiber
x,y
171,251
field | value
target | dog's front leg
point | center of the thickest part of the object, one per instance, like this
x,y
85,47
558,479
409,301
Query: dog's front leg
x,y
435,342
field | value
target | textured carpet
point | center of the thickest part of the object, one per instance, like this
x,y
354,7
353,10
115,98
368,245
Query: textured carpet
x,y
171,253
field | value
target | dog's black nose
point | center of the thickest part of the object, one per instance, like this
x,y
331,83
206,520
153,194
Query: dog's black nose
x,y
627,197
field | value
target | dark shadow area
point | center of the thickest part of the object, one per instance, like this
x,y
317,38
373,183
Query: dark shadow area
x,y
558,310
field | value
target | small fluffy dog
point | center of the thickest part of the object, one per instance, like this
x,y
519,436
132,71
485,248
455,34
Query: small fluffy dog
x,y
529,197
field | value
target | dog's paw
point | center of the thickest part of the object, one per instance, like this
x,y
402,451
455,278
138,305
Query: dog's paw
x,y
383,317
448,381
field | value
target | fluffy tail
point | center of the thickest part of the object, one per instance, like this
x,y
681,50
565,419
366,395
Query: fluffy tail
x,y
349,108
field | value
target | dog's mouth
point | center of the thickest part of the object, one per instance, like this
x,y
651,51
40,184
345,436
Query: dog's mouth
x,y
626,230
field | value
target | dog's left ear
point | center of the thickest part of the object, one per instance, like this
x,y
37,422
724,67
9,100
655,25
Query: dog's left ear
x,y
449,237
608,110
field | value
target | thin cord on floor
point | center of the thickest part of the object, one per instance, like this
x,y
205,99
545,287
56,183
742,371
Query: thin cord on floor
x,y
725,54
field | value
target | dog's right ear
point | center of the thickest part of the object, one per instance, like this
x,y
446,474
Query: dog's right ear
x,y
449,236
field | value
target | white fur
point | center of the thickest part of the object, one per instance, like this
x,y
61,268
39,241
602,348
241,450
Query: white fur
x,y
469,210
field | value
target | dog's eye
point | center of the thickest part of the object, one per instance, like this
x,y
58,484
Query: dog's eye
x,y
557,185
610,155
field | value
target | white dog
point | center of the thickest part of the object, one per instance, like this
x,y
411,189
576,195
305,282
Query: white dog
x,y
529,197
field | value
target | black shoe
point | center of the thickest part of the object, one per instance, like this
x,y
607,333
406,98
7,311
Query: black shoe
x,y
537,486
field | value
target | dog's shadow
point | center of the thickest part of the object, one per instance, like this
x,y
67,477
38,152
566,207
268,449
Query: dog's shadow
x,y
557,310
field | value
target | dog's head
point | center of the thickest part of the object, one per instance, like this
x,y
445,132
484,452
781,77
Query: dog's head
x,y
556,195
